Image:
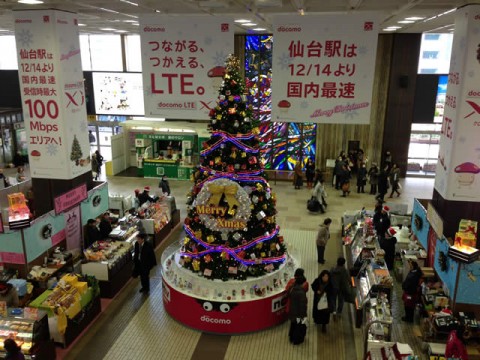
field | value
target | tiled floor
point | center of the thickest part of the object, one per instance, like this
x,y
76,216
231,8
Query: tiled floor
x,y
135,327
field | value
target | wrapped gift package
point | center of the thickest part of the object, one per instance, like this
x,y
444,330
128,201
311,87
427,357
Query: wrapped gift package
x,y
466,238
468,226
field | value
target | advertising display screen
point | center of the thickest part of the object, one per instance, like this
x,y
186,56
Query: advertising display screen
x,y
118,93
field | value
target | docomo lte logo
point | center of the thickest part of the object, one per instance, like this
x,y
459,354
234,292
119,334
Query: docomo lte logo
x,y
153,29
211,320
74,99
288,28
474,93
224,27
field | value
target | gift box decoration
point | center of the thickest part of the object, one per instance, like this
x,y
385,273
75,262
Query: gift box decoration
x,y
467,226
466,239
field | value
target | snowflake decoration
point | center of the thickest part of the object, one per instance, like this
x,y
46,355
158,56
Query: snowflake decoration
x,y
304,104
284,61
219,58
52,149
351,114
362,50
25,37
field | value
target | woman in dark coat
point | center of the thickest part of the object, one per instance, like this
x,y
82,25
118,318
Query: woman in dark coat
x,y
361,178
410,287
298,310
382,184
373,176
310,173
322,287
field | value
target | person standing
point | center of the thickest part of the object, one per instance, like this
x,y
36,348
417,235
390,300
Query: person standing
x,y
299,273
382,184
322,299
144,260
145,196
105,225
341,284
373,176
298,311
337,171
361,178
298,175
323,236
94,166
310,172
388,245
410,287
394,177
92,233
99,158
164,185
320,194
381,221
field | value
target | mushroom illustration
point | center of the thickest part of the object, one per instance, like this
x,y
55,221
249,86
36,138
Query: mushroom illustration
x,y
284,105
35,155
216,73
466,173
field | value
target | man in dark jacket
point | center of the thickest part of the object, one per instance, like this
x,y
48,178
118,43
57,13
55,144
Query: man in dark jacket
x,y
144,260
382,184
92,233
341,283
145,196
164,185
105,225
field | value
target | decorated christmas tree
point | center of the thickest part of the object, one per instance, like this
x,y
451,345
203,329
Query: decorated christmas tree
x,y
76,153
230,228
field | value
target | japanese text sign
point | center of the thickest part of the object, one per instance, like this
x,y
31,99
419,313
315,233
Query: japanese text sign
x,y
458,167
323,68
53,95
183,64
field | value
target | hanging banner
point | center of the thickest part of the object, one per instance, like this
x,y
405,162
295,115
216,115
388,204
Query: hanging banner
x,y
459,155
323,68
73,231
53,94
183,64
95,204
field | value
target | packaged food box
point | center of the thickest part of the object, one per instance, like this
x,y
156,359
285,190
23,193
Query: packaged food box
x,y
82,287
467,226
466,238
71,279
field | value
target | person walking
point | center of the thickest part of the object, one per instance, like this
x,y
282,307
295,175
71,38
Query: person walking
x,y
361,178
310,172
373,178
298,311
99,159
164,185
320,194
94,167
341,285
105,225
323,236
394,177
410,287
144,260
382,184
322,299
298,175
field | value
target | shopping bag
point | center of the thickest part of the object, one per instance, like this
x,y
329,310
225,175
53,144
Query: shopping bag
x,y
322,303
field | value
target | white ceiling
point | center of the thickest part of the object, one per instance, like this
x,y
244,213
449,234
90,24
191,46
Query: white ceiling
x,y
122,14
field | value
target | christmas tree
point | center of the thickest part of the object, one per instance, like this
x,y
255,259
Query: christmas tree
x,y
230,228
76,153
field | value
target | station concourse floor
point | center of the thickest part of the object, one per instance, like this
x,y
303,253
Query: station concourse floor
x,y
135,326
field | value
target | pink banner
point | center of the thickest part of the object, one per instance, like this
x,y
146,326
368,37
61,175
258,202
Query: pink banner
x,y
73,228
12,258
56,238
71,198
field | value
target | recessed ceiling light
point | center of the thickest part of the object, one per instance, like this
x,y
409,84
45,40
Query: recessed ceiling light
x,y
241,21
389,29
30,2
136,24
82,24
249,24
4,30
129,2
107,29
130,21
394,27
415,18
259,29
121,31
406,22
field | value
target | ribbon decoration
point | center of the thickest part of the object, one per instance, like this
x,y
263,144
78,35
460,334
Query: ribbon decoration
x,y
218,190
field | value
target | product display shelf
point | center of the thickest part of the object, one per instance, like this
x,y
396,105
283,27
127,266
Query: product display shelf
x,y
114,272
31,335
378,309
223,307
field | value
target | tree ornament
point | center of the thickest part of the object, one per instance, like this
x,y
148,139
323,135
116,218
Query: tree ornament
x,y
210,239
198,234
219,117
196,265
232,110
186,240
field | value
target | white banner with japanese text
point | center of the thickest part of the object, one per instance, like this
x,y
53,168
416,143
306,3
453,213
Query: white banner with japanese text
x,y
183,61
323,68
459,155
53,95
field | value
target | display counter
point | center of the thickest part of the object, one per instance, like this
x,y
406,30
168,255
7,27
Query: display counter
x,y
173,170
111,264
225,308
31,333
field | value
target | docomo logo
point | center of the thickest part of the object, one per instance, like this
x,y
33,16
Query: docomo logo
x,y
474,93
208,319
153,29
289,29
21,21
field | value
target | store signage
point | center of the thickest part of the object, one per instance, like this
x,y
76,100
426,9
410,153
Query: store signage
x,y
164,137
70,198
182,66
53,93
324,68
224,317
458,168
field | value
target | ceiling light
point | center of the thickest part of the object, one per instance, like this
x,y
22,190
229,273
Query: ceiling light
x,y
259,29
121,31
4,30
130,21
249,24
107,29
406,22
394,27
389,29
129,2
82,24
414,18
136,24
157,11
30,2
241,21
